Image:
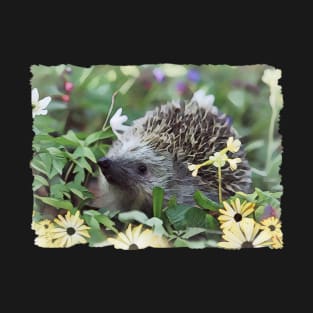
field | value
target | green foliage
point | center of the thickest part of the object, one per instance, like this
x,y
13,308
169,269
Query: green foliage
x,y
204,202
158,195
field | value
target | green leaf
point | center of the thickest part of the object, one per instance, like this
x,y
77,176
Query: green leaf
x,y
84,164
89,154
244,196
96,237
176,215
107,222
78,153
66,142
52,173
91,221
254,145
78,193
80,175
55,151
41,180
59,204
196,217
157,225
39,166
259,212
58,164
47,160
98,136
211,222
205,202
172,202
193,231
266,197
71,136
158,195
134,215
181,243
58,190
92,213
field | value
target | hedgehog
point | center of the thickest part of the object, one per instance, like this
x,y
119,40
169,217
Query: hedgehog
x,y
156,150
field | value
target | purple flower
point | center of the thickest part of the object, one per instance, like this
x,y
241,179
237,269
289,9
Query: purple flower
x,y
181,87
159,75
229,120
268,212
194,75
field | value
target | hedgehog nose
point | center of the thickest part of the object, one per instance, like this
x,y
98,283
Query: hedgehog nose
x,y
104,162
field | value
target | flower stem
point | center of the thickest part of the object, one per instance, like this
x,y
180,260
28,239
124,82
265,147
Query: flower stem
x,y
110,111
68,172
270,140
220,184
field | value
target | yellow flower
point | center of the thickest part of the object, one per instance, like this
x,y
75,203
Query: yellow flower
x,y
233,145
42,227
134,239
46,241
277,242
233,163
71,231
235,213
273,224
218,159
194,168
246,234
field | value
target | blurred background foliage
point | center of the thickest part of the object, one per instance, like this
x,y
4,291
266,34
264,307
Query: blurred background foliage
x,y
81,98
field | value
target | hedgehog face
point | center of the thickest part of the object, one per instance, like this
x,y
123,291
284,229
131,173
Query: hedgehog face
x,y
131,172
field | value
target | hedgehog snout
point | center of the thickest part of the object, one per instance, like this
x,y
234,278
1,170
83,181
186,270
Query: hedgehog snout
x,y
104,163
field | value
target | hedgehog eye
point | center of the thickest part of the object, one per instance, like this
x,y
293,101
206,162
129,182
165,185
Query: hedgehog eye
x,y
142,168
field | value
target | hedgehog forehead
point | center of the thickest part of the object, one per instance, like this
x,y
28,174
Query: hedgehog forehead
x,y
134,150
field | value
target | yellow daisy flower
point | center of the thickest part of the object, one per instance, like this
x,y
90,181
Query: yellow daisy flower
x,y
233,145
273,224
233,163
277,242
42,227
46,241
134,239
235,212
246,234
71,231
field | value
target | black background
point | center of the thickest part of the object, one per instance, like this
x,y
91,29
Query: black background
x,y
153,278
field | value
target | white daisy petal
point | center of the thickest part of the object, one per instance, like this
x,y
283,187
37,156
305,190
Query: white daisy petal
x,y
261,239
44,102
35,95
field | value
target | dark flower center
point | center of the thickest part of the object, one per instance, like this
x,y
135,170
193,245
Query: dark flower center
x,y
70,231
238,217
133,247
247,244
272,227
46,226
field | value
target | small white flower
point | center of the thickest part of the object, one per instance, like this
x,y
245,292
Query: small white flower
x,y
117,121
39,106
203,100
233,145
219,159
233,163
